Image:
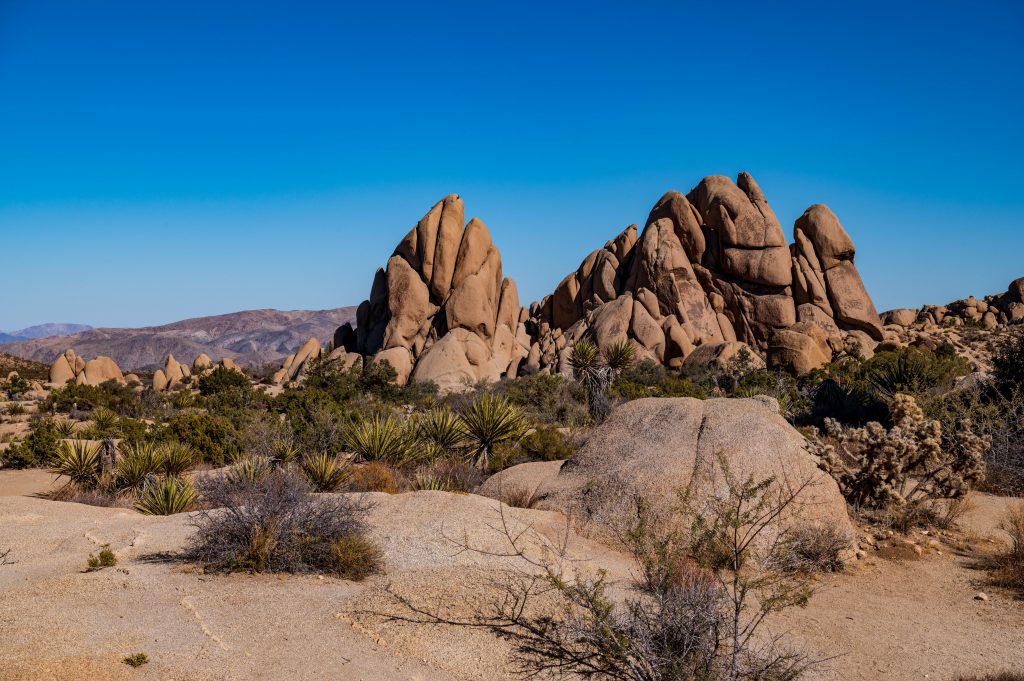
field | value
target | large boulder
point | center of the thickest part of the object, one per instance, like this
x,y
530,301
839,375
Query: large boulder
x,y
799,349
70,367
656,448
442,300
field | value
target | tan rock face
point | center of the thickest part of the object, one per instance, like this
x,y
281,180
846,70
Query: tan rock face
x,y
716,263
443,300
294,365
656,447
799,349
70,367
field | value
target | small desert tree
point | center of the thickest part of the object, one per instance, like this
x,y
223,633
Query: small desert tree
x,y
596,372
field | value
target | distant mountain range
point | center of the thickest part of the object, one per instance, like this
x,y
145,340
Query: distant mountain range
x,y
251,338
43,331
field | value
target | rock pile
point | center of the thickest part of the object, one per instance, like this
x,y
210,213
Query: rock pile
x,y
295,363
171,375
710,270
70,367
441,310
713,268
991,312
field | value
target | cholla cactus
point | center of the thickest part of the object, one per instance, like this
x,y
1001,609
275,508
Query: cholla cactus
x,y
876,467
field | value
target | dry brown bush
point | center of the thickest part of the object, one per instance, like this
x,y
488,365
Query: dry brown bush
x,y
372,477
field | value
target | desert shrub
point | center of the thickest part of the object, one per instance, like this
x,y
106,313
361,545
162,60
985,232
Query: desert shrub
x,y
136,660
276,525
372,477
79,461
222,379
1010,565
104,559
491,420
686,620
814,547
15,409
167,496
913,371
65,428
449,475
268,436
998,676
876,468
777,384
547,443
38,447
650,379
110,395
520,497
213,438
318,424
547,398
380,437
592,371
1008,365
324,472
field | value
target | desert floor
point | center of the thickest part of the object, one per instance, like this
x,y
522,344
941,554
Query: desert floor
x,y
888,616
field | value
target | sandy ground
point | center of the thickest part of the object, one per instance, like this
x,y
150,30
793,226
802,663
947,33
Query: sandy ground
x,y
907,619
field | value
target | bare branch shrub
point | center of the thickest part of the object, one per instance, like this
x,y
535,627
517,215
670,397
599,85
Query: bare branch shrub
x,y
274,524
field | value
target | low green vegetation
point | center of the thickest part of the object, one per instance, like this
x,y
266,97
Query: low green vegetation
x,y
104,559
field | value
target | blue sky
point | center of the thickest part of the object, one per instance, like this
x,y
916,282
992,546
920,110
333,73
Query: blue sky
x,y
163,160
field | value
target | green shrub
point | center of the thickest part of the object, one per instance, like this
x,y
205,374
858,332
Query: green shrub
x,y
249,470
547,443
443,429
1008,365
214,438
136,660
913,371
175,458
37,449
104,559
221,379
547,398
138,465
111,395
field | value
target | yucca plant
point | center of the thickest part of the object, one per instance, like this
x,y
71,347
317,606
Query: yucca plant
x,y
183,399
79,461
104,420
444,429
175,458
167,496
285,452
65,428
325,472
620,355
491,420
138,465
249,470
433,483
381,437
595,375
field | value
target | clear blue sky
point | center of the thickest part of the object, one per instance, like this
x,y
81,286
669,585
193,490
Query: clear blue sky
x,y
160,160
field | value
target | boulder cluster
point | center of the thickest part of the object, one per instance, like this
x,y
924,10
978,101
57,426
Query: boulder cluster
x,y
991,312
70,367
175,373
295,365
441,309
710,274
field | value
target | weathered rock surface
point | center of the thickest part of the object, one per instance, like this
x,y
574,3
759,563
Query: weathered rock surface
x,y
711,267
654,448
173,374
295,364
70,367
441,310
708,268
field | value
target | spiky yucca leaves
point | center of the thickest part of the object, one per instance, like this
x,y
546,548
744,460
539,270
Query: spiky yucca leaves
x,y
595,375
381,437
325,472
175,458
284,452
620,355
103,420
79,461
491,420
138,465
249,471
444,429
167,496
65,428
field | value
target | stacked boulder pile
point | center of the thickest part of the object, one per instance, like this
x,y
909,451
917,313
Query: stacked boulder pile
x,y
709,276
712,270
69,367
175,373
441,310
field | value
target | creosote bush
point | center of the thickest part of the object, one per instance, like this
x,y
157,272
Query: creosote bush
x,y
276,525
